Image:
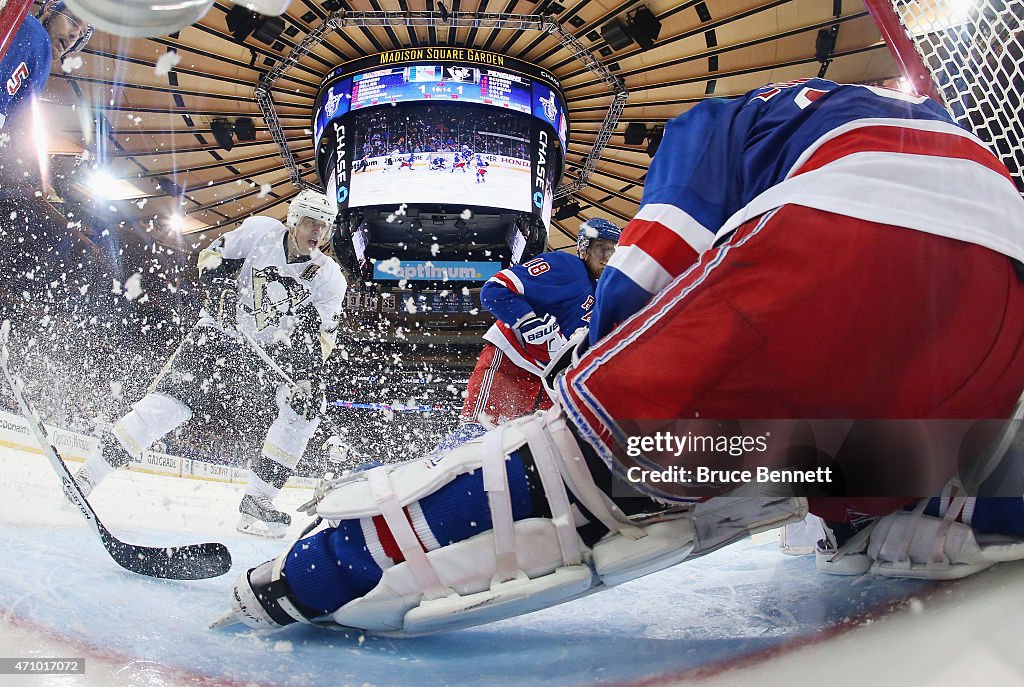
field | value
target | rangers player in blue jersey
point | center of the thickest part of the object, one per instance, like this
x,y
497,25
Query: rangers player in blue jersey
x,y
537,305
809,250
40,41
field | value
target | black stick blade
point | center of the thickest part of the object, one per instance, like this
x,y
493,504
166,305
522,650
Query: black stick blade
x,y
189,562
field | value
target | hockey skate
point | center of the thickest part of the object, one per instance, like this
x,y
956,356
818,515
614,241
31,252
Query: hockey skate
x,y
108,456
261,519
938,539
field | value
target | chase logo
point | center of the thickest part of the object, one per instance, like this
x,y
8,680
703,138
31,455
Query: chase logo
x,y
342,194
538,199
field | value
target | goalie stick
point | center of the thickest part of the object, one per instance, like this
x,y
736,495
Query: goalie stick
x,y
189,562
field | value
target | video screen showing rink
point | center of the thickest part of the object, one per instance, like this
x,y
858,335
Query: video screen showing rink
x,y
451,129
424,183
441,155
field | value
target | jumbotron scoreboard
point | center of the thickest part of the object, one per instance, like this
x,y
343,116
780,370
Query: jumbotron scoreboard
x,y
445,127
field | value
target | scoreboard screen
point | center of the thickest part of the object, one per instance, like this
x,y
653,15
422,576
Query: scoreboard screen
x,y
454,83
455,76
444,126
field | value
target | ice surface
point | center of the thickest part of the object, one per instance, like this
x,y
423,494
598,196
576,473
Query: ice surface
x,y
504,188
743,615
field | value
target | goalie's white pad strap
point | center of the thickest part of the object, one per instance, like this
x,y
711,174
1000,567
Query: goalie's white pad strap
x,y
405,537
897,546
543,453
496,486
581,483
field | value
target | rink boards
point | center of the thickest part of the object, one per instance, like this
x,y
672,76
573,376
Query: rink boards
x,y
76,447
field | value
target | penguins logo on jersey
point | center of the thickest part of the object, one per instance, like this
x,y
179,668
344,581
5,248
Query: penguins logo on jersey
x,y
274,295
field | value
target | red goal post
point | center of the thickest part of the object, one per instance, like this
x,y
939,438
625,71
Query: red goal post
x,y
969,55
11,14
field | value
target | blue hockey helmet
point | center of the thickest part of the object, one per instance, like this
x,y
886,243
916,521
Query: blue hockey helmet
x,y
596,228
50,7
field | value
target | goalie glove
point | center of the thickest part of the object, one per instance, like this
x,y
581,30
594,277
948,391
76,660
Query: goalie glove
x,y
540,336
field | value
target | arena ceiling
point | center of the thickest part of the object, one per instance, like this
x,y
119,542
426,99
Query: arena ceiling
x,y
148,130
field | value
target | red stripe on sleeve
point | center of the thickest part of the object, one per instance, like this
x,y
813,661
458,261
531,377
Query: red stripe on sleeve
x,y
897,139
509,284
665,246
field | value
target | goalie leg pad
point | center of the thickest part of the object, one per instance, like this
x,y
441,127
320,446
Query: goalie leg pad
x,y
507,545
940,539
489,531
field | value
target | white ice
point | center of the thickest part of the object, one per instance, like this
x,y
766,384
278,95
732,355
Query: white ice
x,y
746,615
503,188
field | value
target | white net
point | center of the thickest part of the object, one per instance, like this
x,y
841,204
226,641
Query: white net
x,y
974,50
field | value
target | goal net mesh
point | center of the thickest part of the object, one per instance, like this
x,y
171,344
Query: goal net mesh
x,y
974,51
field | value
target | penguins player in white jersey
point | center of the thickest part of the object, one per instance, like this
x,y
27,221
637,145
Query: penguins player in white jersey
x,y
273,283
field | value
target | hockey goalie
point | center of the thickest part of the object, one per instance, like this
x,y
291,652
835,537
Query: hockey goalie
x,y
810,250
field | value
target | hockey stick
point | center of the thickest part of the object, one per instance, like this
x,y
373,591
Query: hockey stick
x,y
286,378
189,562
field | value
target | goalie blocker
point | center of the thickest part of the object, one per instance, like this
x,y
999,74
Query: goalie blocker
x,y
503,525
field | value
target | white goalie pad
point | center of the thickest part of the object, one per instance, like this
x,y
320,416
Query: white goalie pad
x,y
908,544
526,565
913,544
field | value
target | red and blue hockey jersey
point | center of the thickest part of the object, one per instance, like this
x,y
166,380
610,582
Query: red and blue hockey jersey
x,y
859,151
25,67
557,284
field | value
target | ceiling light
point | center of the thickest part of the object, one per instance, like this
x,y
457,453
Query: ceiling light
x,y
614,32
176,222
569,209
100,183
635,133
245,129
654,137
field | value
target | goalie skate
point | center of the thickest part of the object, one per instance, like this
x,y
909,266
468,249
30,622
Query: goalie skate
x,y
261,519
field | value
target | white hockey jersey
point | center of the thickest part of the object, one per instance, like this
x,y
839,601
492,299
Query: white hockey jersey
x,y
274,295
